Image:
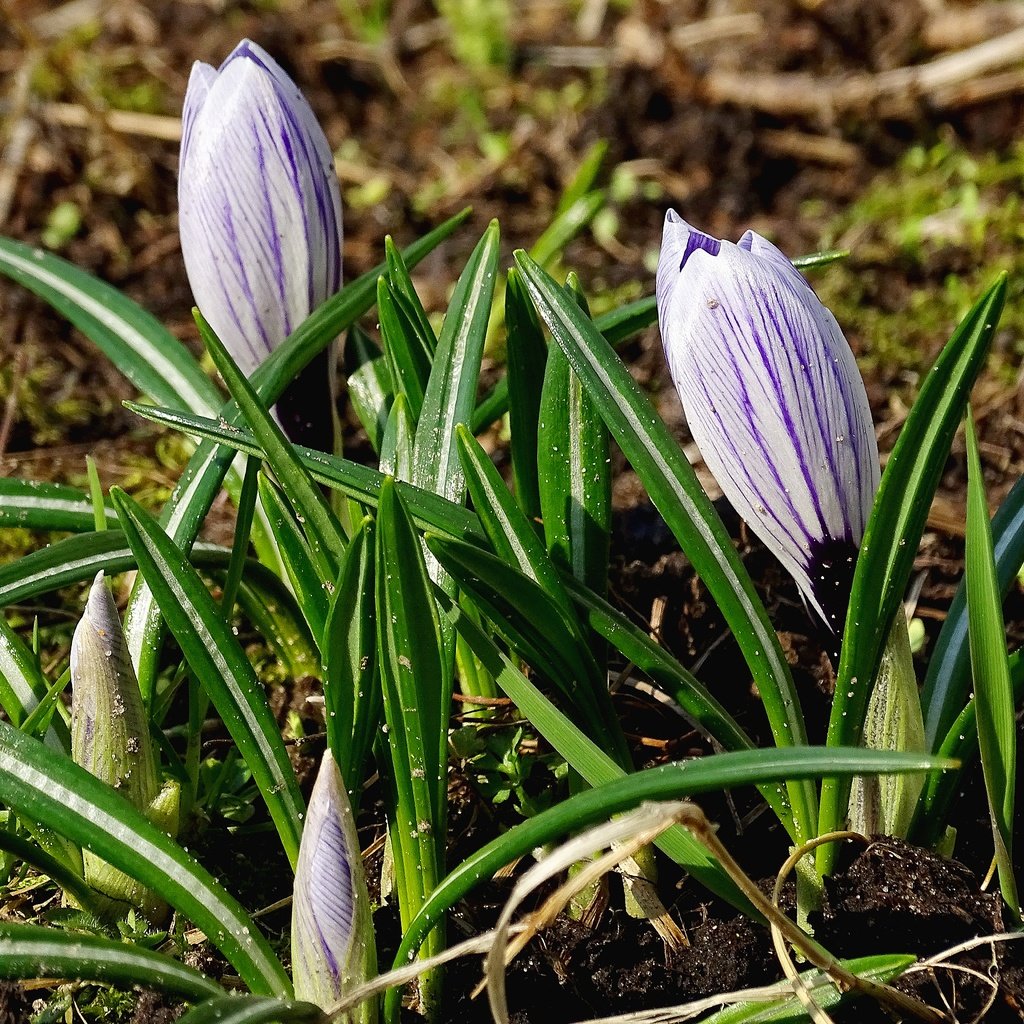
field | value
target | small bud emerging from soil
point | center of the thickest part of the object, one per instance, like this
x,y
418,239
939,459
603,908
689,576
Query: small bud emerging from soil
x,y
110,738
332,933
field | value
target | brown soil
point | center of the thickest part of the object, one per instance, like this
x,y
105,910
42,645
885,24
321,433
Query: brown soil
x,y
892,897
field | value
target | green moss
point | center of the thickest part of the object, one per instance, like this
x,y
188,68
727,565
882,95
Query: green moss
x,y
47,400
74,69
89,1003
926,238
16,542
479,32
62,224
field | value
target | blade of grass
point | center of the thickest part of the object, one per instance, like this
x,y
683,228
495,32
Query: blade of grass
x,y
396,446
993,691
37,722
48,506
218,661
398,275
371,391
23,687
573,466
585,177
787,1009
566,226
59,872
30,951
677,494
306,582
451,390
275,615
417,690
894,531
72,560
352,694
246,509
961,743
242,1009
99,511
52,790
511,536
319,523
408,361
526,354
947,682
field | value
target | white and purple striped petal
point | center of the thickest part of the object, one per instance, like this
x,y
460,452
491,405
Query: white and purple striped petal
x,y
259,206
774,401
332,932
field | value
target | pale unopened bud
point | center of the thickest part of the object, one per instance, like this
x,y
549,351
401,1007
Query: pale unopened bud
x,y
260,215
332,932
774,401
886,803
110,738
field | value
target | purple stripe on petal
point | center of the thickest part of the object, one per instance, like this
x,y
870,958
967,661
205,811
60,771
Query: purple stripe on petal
x,y
698,241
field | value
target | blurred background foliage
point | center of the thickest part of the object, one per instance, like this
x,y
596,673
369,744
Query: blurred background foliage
x,y
890,130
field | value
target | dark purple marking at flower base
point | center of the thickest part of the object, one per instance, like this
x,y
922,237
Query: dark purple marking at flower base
x,y
304,410
831,568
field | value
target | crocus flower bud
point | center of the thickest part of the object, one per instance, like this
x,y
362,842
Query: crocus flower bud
x,y
332,932
774,401
110,738
260,220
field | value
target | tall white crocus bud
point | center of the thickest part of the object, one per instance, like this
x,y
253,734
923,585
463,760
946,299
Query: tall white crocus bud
x,y
774,400
777,406
332,931
110,738
260,221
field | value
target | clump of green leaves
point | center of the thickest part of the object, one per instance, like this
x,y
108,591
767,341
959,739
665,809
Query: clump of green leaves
x,y
502,772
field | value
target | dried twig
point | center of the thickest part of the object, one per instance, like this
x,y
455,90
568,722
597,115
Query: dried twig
x,y
953,28
818,149
124,122
715,29
10,413
942,82
20,131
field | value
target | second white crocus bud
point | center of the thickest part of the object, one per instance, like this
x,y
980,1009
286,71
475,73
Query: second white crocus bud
x,y
260,221
332,932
